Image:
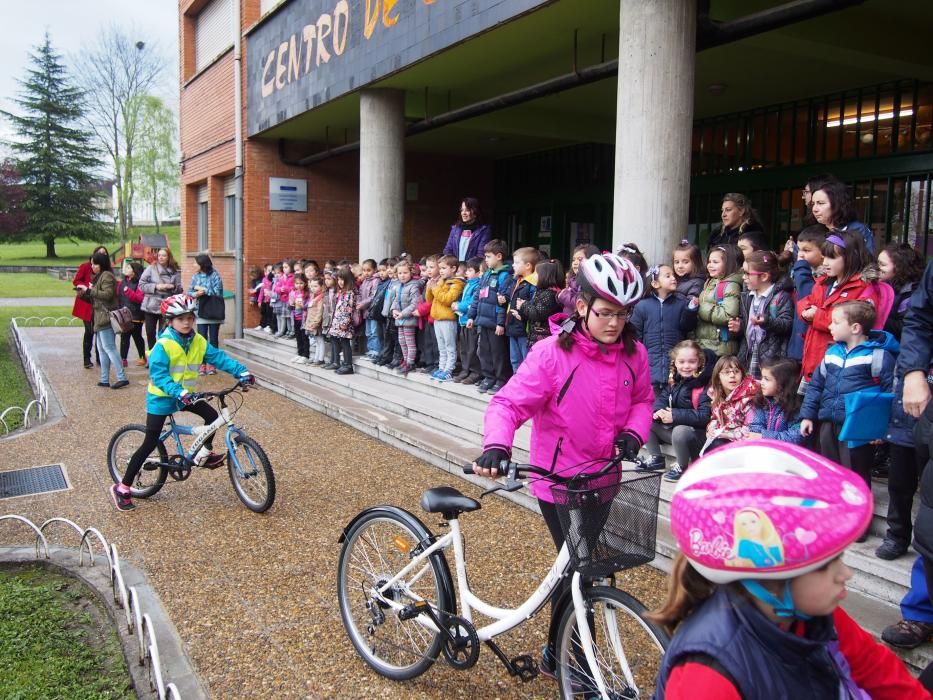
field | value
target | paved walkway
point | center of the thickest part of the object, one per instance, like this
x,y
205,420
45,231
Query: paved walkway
x,y
36,301
253,597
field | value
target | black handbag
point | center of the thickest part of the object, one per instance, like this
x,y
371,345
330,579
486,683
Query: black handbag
x,y
211,308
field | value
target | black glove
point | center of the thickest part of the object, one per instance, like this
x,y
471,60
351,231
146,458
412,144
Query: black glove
x,y
628,444
247,379
492,458
190,398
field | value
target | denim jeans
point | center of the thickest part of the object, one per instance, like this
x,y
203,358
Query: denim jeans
x,y
373,347
518,350
107,344
211,333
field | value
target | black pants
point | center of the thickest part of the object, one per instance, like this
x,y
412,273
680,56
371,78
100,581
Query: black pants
x,y
906,466
493,351
266,317
858,459
88,343
153,327
137,335
468,344
346,349
154,425
301,338
427,346
390,346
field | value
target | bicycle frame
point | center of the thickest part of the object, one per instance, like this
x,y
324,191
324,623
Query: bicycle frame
x,y
203,433
507,618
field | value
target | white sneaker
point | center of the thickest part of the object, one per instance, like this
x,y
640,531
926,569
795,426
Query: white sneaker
x,y
297,358
267,329
258,328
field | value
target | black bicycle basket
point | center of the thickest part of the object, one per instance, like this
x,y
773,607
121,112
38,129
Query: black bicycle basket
x,y
609,520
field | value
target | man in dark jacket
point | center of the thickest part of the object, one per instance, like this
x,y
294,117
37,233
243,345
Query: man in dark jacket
x,y
914,363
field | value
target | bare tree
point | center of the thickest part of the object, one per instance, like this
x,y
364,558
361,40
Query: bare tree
x,y
115,73
156,158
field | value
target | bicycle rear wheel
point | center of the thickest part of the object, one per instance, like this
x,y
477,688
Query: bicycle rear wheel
x,y
251,474
623,640
123,446
375,549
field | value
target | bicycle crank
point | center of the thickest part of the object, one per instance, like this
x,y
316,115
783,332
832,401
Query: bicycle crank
x,y
177,469
461,648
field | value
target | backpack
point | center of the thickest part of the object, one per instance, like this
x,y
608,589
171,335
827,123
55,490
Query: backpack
x,y
719,296
375,306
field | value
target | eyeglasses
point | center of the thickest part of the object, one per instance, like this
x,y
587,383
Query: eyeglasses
x,y
731,370
618,315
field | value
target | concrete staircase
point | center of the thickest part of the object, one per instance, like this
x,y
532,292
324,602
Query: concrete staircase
x,y
443,424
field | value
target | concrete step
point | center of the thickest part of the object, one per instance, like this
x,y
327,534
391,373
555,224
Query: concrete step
x,y
413,397
407,417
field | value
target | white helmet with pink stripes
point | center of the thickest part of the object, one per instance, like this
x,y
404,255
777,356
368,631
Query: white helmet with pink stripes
x,y
762,509
612,278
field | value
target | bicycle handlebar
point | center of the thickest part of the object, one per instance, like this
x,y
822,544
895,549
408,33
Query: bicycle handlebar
x,y
223,392
515,471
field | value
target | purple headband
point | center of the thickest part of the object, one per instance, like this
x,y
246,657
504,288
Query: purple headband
x,y
836,240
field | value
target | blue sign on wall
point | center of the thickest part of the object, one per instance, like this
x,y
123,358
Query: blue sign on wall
x,y
312,51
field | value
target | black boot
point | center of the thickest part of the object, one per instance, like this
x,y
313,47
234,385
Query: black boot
x,y
346,365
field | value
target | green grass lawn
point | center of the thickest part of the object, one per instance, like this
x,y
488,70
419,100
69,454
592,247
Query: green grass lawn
x,y
33,284
14,387
56,640
73,253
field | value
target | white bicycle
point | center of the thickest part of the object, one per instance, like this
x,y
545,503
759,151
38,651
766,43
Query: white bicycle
x,y
401,612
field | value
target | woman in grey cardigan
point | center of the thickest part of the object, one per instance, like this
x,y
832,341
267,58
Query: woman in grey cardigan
x,y
160,280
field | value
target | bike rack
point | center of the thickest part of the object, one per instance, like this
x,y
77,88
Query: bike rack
x,y
138,622
39,406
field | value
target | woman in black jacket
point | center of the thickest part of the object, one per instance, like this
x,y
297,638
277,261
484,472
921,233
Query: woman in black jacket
x,y
737,217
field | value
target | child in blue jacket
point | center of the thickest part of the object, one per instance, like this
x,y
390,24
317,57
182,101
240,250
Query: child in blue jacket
x,y
467,342
173,373
487,312
804,273
777,416
661,320
858,359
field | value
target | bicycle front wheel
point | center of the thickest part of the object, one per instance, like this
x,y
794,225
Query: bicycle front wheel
x,y
375,549
123,446
625,644
251,474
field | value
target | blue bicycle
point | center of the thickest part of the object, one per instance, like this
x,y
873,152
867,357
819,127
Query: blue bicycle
x,y
249,467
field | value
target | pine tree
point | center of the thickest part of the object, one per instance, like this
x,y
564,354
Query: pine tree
x,y
55,158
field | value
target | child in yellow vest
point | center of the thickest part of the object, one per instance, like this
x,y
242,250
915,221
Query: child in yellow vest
x,y
173,373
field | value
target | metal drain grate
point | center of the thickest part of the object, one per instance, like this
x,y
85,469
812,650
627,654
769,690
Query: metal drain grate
x,y
26,482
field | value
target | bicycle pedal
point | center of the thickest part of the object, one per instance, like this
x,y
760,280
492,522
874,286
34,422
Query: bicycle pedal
x,y
525,667
410,612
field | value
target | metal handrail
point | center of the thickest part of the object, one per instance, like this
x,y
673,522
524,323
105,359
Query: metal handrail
x,y
138,622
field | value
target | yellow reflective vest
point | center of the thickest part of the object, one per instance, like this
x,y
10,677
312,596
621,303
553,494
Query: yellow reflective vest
x,y
182,367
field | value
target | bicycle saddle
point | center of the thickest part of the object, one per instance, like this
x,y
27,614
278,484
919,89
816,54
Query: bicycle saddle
x,y
448,501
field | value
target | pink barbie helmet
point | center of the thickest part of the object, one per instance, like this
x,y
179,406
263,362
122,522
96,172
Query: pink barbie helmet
x,y
177,305
611,278
762,509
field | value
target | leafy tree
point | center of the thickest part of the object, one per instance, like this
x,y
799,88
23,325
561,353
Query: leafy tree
x,y
55,158
12,216
155,160
115,73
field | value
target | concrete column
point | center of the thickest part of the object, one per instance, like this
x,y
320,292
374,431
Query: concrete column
x,y
654,120
382,172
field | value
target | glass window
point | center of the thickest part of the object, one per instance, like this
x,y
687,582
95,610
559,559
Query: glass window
x,y
862,202
756,136
835,127
878,209
230,222
202,226
771,137
897,202
850,127
801,132
924,130
917,210
903,119
786,156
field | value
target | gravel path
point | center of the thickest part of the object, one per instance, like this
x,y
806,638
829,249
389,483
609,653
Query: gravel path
x,y
253,597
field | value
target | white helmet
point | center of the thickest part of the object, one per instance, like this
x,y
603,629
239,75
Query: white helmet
x,y
177,305
612,278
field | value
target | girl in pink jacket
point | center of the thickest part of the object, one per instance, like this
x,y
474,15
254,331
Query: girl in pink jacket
x,y
586,389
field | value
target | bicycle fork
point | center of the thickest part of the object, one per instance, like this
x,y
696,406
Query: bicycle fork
x,y
586,638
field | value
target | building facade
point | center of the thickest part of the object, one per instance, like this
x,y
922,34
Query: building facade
x,y
356,126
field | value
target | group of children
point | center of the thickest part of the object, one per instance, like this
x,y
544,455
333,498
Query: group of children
x,y
753,343
469,322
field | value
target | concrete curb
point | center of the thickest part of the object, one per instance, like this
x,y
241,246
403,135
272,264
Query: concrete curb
x,y
177,667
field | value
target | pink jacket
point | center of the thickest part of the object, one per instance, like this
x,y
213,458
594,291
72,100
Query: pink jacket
x,y
284,286
578,402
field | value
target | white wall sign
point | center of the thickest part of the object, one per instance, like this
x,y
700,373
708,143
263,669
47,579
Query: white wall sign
x,y
287,194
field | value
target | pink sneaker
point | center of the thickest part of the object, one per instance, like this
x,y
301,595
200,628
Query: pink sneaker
x,y
122,501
